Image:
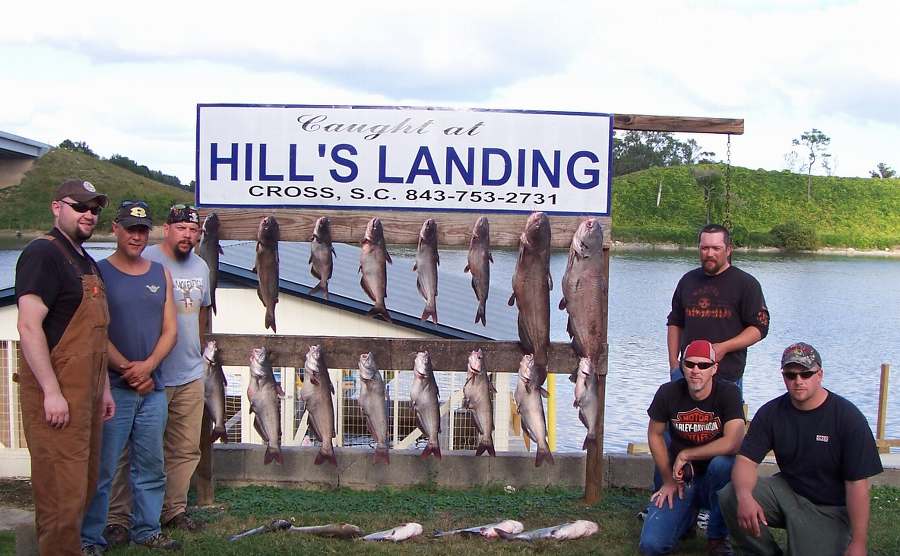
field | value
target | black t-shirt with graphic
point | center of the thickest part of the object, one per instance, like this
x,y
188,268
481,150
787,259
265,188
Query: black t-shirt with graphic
x,y
43,270
695,422
718,308
816,450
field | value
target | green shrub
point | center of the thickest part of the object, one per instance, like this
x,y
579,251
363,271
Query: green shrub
x,y
794,236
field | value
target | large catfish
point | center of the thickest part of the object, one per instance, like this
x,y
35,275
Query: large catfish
x,y
586,400
479,264
531,284
373,261
317,394
583,288
265,396
477,396
531,409
425,404
427,261
209,250
266,267
374,406
321,263
214,391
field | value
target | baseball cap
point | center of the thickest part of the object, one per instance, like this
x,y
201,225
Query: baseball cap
x,y
801,354
133,213
700,348
81,191
183,213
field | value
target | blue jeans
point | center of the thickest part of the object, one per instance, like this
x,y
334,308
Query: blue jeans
x,y
663,527
139,422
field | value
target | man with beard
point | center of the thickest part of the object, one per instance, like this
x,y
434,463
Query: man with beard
x,y
825,453
705,419
141,334
181,372
63,388
718,302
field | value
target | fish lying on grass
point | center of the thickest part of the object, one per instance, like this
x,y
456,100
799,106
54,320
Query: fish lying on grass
x,y
477,393
490,531
332,530
397,534
565,532
209,250
479,265
321,253
265,395
214,392
586,400
266,267
274,525
424,397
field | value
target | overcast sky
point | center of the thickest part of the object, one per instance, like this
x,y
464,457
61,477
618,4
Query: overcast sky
x,y
126,78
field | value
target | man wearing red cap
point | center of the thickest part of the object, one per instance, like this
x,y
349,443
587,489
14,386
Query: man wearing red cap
x,y
63,388
705,419
825,453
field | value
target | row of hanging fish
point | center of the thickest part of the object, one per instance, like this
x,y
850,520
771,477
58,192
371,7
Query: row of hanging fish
x,y
509,529
316,394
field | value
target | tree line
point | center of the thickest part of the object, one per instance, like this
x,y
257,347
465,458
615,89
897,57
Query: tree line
x,y
128,164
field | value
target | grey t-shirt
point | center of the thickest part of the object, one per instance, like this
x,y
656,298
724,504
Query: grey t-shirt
x,y
190,290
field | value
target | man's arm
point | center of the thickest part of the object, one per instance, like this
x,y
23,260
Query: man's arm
x,y
750,514
661,457
728,444
858,511
747,337
32,312
673,342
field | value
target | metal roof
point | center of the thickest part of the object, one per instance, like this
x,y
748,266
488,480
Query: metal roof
x,y
21,147
456,302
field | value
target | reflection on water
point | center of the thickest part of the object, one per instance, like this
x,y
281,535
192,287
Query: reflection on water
x,y
849,308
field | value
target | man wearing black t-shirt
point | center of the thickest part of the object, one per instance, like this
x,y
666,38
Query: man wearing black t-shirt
x,y
705,420
825,453
718,302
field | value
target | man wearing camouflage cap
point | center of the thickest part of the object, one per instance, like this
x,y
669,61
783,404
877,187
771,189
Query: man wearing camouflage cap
x,y
825,453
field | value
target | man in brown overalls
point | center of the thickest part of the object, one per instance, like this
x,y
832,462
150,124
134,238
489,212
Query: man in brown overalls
x,y
63,387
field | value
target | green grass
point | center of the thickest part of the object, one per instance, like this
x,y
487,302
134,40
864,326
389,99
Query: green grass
x,y
846,212
27,206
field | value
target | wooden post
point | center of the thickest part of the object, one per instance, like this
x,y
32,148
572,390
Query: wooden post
x,y
593,468
882,407
203,476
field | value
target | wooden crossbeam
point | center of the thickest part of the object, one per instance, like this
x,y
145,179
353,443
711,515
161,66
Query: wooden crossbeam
x,y
684,124
342,352
400,227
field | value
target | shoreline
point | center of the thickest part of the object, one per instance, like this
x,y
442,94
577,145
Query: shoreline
x,y
156,235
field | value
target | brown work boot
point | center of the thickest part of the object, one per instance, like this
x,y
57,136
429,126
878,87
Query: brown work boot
x,y
719,547
184,522
160,541
115,535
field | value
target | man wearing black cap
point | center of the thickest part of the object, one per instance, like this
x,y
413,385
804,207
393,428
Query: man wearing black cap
x,y
63,388
141,333
825,453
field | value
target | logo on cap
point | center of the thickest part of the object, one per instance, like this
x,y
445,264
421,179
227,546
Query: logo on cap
x,y
88,186
138,212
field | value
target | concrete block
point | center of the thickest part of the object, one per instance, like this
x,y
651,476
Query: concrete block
x,y
628,471
26,540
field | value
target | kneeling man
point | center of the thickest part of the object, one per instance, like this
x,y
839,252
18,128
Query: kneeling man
x,y
825,453
705,419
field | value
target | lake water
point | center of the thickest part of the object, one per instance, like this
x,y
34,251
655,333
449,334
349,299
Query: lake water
x,y
847,307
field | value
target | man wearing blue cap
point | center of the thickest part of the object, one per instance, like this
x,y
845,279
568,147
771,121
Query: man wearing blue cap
x,y
825,453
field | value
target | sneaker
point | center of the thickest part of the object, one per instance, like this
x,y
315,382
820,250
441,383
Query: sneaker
x,y
91,550
116,535
702,519
160,541
642,515
719,547
184,522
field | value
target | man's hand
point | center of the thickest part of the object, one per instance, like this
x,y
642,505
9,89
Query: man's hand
x,y
109,405
667,493
678,468
56,410
134,373
855,549
750,515
145,387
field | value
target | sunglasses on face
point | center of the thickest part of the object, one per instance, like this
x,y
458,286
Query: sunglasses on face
x,y
702,365
806,375
128,202
82,208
